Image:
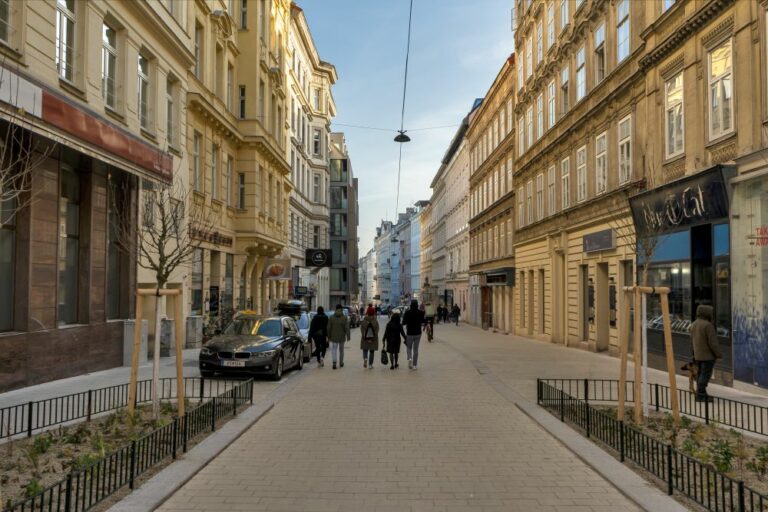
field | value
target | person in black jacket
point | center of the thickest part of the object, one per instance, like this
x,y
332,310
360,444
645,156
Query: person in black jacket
x,y
318,332
392,334
413,319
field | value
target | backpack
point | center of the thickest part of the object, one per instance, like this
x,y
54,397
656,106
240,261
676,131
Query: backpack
x,y
370,332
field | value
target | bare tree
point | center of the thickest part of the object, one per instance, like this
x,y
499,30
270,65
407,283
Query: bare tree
x,y
171,226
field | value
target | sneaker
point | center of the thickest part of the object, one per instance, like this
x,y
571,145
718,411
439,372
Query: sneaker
x,y
334,366
365,364
410,365
370,366
341,365
414,367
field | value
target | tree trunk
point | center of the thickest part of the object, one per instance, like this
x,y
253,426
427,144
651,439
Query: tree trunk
x,y
156,360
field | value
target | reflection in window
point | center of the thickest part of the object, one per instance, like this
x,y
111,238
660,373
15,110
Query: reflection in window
x,y
677,276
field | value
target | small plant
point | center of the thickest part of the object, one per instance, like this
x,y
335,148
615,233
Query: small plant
x,y
42,443
77,435
722,455
84,461
690,447
685,422
759,463
100,445
33,488
167,408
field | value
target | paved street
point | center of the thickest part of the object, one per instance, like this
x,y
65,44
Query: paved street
x,y
439,438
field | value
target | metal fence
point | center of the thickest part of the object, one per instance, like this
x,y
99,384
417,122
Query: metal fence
x,y
84,488
700,482
29,417
725,411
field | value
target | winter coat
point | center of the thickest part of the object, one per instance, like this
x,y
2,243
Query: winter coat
x,y
338,327
318,328
412,320
704,336
392,334
369,343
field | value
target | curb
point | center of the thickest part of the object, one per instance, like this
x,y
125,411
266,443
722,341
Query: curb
x,y
155,491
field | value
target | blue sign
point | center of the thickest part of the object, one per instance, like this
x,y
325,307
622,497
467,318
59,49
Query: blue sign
x,y
299,291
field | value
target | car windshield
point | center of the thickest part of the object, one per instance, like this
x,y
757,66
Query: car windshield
x,y
254,327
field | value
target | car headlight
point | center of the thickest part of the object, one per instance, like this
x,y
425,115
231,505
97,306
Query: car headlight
x,y
265,354
205,351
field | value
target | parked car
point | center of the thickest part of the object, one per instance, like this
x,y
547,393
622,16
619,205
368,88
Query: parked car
x,y
297,310
254,344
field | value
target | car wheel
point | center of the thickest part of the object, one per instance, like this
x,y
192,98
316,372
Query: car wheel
x,y
300,359
277,373
206,374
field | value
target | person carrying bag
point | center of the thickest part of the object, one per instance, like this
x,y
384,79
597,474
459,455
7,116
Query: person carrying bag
x,y
369,339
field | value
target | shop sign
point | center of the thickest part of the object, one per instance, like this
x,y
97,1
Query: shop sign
x,y
318,257
601,241
501,277
277,270
212,237
300,291
693,200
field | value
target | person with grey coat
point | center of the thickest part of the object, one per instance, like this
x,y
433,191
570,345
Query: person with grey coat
x,y
338,334
369,337
706,349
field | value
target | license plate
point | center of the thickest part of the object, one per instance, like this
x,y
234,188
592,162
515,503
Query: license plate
x,y
237,364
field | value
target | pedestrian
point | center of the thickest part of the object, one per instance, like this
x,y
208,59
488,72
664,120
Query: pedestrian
x,y
338,334
455,313
318,332
706,349
392,334
445,314
412,319
369,337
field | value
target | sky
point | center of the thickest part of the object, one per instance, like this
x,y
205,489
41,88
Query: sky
x,y
457,49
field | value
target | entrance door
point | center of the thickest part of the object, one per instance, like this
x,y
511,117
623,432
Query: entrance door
x,y
585,302
530,302
602,306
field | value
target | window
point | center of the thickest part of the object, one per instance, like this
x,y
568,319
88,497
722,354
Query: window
x,y
242,101
228,293
539,197
564,89
520,208
528,58
170,110
529,123
520,71
317,100
551,104
550,24
601,170
241,190
230,85
197,282
581,173
529,201
563,14
243,14
625,149
108,64
199,51
720,91
666,4
65,37
6,29
196,178
521,136
315,236
579,3
143,89
215,171
263,20
69,247
540,116
262,99
600,53
565,183
581,75
228,180
509,115
316,149
551,190
7,262
539,41
622,29
673,115
316,188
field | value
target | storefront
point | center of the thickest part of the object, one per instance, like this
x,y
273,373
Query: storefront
x,y
683,242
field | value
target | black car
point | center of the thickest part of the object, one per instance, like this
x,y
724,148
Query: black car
x,y
256,345
297,310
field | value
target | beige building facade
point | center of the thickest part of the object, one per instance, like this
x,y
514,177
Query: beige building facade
x,y
490,139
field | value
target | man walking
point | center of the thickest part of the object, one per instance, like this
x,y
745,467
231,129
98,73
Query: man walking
x,y
455,313
338,334
413,319
706,349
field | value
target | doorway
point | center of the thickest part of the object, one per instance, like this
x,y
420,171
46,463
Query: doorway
x,y
530,302
541,301
602,313
586,304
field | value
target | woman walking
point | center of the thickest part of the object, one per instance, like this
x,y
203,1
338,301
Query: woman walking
x,y
412,320
392,334
318,332
338,333
369,338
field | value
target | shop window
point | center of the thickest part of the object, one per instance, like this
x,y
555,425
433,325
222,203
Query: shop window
x,y
7,262
65,37
722,240
69,247
720,91
229,268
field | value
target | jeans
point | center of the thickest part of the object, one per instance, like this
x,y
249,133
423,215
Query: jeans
x,y
412,347
705,373
337,347
321,344
368,354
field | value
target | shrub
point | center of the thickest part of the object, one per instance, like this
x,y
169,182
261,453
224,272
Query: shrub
x,y
42,443
33,488
759,463
722,455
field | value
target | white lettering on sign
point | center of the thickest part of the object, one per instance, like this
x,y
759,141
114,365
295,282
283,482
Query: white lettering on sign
x,y
677,208
20,93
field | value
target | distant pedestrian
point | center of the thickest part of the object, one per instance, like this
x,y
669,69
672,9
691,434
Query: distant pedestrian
x,y
318,332
338,333
455,313
413,319
706,349
445,314
392,336
369,337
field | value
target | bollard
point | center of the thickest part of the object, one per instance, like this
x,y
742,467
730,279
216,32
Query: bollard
x,y
669,470
251,392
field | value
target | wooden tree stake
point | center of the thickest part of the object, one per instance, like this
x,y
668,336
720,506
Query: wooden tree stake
x,y
179,357
638,358
669,349
135,354
624,352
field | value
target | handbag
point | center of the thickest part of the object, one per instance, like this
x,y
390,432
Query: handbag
x,y
384,358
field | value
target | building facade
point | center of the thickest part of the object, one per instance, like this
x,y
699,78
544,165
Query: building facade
x,y
343,227
311,110
367,280
382,246
491,141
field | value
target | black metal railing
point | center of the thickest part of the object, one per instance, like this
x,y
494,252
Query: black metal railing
x,y
725,411
700,482
30,417
85,487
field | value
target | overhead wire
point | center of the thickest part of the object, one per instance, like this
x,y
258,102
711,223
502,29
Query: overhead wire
x,y
402,110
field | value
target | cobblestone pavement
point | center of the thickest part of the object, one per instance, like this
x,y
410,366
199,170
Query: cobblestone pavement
x,y
436,439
